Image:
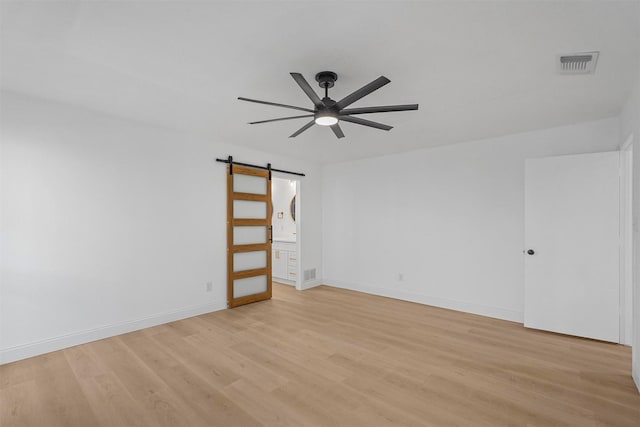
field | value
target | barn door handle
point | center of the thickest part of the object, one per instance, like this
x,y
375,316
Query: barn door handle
x,y
271,234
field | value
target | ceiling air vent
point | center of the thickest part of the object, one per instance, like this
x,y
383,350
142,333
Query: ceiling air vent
x,y
578,63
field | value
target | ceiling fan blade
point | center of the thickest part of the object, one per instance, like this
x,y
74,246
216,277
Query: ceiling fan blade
x,y
365,122
303,128
363,91
380,109
282,118
313,96
336,129
276,104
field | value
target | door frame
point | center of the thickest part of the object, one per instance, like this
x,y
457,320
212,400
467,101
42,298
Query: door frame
x,y
299,278
626,241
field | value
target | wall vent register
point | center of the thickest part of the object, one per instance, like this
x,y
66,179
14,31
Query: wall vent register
x,y
309,274
577,63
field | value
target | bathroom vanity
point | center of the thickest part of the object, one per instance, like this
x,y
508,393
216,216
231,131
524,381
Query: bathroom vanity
x,y
284,261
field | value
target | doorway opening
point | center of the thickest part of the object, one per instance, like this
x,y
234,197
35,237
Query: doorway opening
x,y
286,219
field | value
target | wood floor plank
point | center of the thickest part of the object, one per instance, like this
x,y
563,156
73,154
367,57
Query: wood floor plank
x,y
112,404
326,357
20,407
61,398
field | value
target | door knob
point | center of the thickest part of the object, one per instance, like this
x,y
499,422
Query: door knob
x,y
531,252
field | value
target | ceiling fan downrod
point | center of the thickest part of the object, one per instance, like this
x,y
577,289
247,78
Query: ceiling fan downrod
x,y
326,80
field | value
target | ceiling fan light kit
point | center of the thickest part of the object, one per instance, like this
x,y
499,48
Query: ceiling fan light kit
x,y
326,118
327,112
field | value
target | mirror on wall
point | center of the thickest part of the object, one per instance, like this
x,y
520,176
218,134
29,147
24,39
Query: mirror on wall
x,y
292,207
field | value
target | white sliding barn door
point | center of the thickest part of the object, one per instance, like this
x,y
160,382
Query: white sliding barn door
x,y
572,245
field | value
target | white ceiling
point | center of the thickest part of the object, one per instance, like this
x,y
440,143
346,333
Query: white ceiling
x,y
477,69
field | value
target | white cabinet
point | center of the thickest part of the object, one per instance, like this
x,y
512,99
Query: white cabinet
x,y
292,266
279,263
284,262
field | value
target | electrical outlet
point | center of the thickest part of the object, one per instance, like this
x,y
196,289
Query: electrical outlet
x,y
209,286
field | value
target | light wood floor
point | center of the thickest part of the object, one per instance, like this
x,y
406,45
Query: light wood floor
x,y
326,357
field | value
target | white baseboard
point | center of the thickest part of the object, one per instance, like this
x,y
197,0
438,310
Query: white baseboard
x,y
464,306
284,281
311,284
636,378
24,351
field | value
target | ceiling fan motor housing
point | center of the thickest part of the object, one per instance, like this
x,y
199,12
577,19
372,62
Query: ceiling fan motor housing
x,y
328,114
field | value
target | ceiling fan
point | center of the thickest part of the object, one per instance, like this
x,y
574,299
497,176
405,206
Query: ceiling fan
x,y
327,112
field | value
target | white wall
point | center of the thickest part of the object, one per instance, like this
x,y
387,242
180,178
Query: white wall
x,y
282,191
449,219
110,225
630,126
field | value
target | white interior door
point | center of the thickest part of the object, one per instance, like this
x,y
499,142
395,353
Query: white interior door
x,y
572,245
